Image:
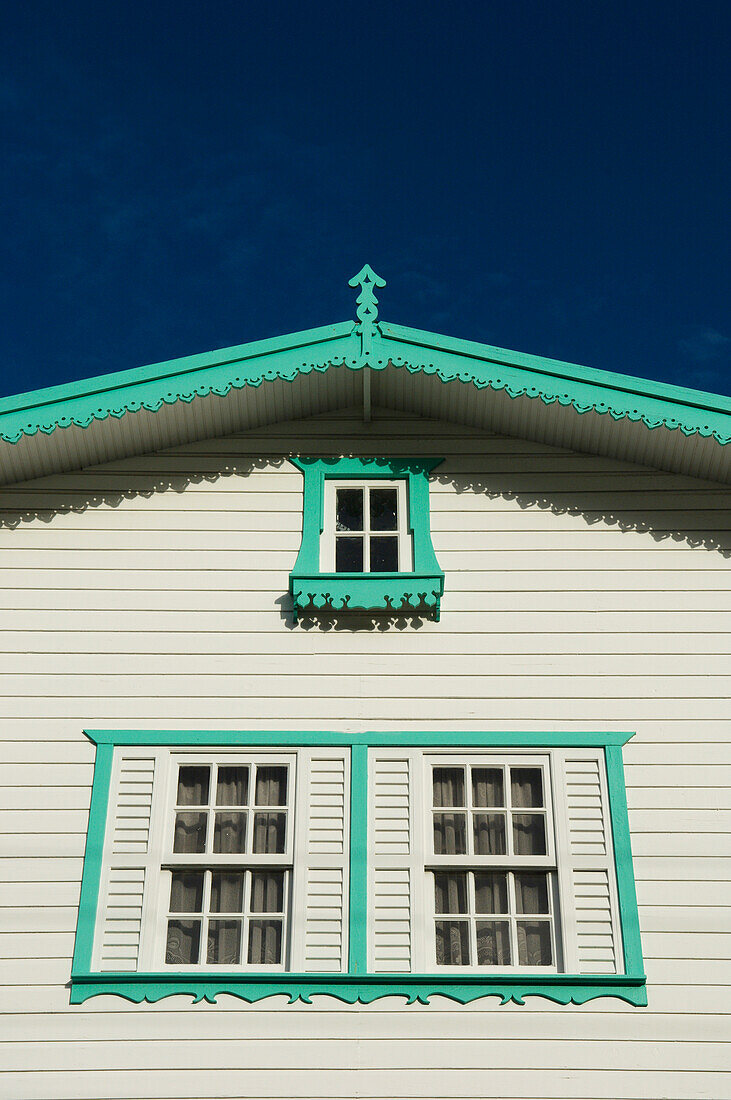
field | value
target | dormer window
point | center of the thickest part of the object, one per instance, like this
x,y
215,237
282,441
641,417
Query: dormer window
x,y
366,542
366,528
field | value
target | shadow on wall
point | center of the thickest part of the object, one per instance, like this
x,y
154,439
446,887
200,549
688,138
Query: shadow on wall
x,y
674,512
652,514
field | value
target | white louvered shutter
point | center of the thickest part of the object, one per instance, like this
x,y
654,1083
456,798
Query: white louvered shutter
x,y
319,924
129,866
587,874
396,932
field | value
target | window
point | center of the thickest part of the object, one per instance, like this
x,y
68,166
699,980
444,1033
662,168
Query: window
x,y
366,539
358,865
493,864
228,863
366,528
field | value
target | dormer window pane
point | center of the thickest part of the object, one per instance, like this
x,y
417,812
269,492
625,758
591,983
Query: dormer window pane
x,y
384,555
348,555
384,509
349,510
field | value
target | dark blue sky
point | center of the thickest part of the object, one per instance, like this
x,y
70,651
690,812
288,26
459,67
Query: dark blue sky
x,y
550,177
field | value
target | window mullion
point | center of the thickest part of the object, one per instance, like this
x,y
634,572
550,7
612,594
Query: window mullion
x,y
245,915
512,907
472,909
366,528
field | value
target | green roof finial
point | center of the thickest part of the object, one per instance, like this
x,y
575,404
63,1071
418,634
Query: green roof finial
x,y
367,311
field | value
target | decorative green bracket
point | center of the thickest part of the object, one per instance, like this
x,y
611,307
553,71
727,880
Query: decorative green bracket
x,y
414,592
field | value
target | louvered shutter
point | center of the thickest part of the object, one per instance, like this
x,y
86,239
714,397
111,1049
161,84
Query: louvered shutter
x,y
129,866
396,880
587,874
319,924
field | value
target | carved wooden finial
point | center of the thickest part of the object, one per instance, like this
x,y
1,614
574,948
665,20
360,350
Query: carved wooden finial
x,y
367,303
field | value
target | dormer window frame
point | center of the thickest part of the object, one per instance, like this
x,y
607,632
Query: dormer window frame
x,y
369,530
317,588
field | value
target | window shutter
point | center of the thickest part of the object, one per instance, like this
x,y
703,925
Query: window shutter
x,y
319,924
396,865
128,860
590,919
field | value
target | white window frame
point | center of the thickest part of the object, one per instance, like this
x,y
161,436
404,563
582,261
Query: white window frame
x,y
402,532
154,929
469,863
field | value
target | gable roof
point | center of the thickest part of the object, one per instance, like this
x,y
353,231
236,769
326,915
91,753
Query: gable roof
x,y
201,396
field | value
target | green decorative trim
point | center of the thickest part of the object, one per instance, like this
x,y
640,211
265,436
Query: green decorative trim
x,y
349,345
628,914
367,303
358,905
91,876
585,389
428,739
357,985
216,372
417,591
383,593
563,989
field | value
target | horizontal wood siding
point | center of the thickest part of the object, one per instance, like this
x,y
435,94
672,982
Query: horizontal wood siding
x,y
580,593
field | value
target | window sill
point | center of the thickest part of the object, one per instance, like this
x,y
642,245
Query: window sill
x,y
341,593
354,988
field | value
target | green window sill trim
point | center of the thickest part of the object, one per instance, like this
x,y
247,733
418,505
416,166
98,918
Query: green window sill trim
x,y
358,986
563,989
418,591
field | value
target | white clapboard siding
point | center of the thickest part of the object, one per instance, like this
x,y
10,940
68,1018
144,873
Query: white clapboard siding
x,y
321,864
586,864
581,593
127,860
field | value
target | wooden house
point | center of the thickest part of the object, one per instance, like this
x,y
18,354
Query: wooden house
x,y
365,727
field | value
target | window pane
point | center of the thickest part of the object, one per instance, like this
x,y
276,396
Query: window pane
x,y
193,786
384,555
526,787
450,834
488,831
529,835
183,942
227,892
493,943
224,941
448,787
534,943
186,892
233,786
348,555
453,943
491,892
229,834
450,892
269,833
531,893
190,833
384,505
348,509
267,892
487,787
271,786
265,942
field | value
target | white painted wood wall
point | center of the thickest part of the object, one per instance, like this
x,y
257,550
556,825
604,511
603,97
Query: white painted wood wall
x,y
580,593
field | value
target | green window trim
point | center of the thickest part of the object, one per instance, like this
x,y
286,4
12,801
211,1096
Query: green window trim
x,y
415,591
358,985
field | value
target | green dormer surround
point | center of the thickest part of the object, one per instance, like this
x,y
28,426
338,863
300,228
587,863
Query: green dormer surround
x,y
415,591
